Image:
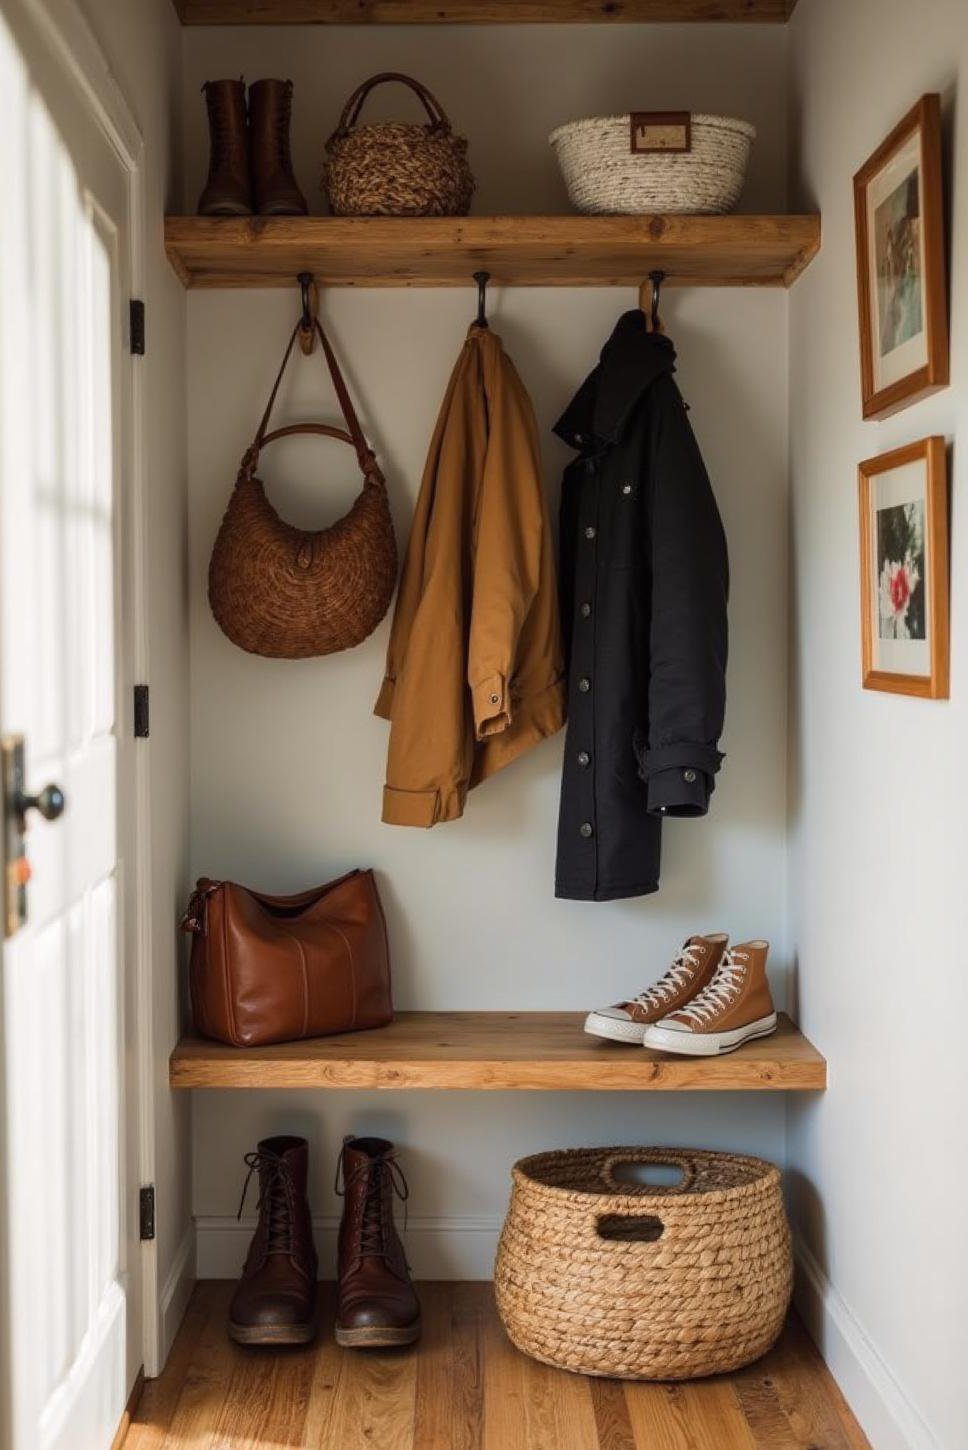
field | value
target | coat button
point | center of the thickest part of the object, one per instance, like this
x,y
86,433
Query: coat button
x,y
584,758
585,610
626,488
590,531
689,775
585,829
584,684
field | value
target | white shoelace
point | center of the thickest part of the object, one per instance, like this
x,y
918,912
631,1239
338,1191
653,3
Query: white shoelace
x,y
680,974
719,993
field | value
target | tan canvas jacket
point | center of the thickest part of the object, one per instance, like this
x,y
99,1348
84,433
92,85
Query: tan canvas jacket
x,y
474,668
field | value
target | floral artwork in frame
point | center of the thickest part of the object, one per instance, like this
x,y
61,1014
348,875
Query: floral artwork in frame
x,y
904,570
901,284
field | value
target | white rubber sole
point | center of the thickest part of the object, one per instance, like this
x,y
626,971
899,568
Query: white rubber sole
x,y
707,1044
598,1025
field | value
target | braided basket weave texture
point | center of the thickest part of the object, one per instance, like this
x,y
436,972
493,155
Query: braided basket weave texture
x,y
279,591
397,168
603,175
691,1280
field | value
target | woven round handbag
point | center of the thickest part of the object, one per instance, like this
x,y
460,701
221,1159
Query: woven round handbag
x,y
604,1275
288,593
392,168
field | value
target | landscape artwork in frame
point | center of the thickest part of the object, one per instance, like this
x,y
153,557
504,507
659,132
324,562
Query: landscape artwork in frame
x,y
904,570
900,265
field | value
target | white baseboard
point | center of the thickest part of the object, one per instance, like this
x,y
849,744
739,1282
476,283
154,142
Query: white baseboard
x,y
437,1248
888,1418
175,1294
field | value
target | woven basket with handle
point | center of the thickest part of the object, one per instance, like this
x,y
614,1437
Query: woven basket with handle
x,y
607,1276
290,593
395,168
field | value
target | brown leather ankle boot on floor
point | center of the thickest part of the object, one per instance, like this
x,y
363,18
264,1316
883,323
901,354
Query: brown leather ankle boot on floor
x,y
273,184
376,1304
275,1302
228,191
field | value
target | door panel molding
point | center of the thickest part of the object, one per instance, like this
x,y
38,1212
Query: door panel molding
x,y
61,28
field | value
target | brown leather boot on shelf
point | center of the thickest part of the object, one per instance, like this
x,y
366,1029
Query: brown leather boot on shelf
x,y
228,191
275,1302
376,1304
273,184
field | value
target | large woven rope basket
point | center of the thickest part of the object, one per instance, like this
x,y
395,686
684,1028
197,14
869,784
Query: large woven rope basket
x,y
606,1276
603,174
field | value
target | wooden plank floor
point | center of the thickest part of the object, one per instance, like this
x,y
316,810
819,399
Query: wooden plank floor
x,y
466,1388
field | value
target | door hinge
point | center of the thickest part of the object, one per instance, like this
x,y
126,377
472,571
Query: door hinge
x,y
148,1212
136,328
141,720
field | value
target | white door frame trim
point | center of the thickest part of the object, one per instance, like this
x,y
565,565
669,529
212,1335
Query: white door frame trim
x,y
61,26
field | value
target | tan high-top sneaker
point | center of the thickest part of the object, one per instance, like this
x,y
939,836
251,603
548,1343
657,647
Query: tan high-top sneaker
x,y
691,970
733,1008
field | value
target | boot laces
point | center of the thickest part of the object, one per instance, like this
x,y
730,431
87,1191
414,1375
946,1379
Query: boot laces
x,y
685,964
374,1174
280,117
220,120
277,1199
722,990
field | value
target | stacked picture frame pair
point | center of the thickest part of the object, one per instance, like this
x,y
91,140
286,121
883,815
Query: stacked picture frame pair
x,y
903,303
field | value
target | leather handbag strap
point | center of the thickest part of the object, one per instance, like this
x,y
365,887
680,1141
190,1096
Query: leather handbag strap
x,y
430,103
353,434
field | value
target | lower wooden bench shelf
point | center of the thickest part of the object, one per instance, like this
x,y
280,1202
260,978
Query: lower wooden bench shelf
x,y
496,1050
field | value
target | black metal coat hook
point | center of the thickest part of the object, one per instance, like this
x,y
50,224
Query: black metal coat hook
x,y
657,279
482,279
305,280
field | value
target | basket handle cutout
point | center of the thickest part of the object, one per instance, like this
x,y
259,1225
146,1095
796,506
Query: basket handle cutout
x,y
633,1229
648,1172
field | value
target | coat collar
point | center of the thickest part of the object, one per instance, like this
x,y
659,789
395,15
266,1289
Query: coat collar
x,y
631,361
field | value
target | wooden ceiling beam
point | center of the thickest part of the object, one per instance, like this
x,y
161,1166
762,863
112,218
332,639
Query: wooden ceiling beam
x,y
476,12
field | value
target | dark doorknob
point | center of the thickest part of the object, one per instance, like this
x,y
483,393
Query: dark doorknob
x,y
50,802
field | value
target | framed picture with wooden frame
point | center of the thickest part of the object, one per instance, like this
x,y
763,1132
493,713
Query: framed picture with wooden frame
x,y
904,570
901,288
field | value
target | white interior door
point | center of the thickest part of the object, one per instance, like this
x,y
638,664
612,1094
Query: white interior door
x,y
63,251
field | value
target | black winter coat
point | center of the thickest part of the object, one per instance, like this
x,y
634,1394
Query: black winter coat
x,y
644,583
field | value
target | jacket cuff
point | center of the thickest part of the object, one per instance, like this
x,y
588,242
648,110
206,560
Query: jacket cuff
x,y
678,792
384,700
492,706
410,807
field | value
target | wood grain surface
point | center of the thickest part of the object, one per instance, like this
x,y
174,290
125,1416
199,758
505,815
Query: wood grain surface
x,y
474,12
568,251
496,1050
465,1387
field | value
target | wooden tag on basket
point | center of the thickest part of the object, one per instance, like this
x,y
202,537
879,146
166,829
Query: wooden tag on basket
x,y
656,131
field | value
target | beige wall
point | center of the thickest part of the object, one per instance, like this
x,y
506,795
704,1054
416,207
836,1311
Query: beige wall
x,y
143,44
287,759
878,797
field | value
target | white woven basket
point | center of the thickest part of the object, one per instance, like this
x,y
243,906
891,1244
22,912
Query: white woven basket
x,y
603,174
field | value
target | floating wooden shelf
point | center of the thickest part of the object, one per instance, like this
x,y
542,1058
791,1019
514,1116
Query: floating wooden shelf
x,y
526,251
531,1050
473,12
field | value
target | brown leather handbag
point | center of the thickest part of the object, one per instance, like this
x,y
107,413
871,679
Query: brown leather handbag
x,y
280,968
291,593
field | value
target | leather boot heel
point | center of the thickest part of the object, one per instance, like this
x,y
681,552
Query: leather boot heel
x,y
377,1336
